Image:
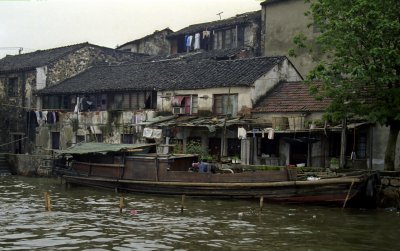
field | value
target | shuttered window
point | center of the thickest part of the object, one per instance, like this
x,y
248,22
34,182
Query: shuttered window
x,y
226,104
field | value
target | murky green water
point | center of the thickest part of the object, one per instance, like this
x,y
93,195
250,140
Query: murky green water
x,y
89,219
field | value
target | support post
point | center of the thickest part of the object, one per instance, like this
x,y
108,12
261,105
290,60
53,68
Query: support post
x,y
261,203
343,142
121,203
183,203
47,202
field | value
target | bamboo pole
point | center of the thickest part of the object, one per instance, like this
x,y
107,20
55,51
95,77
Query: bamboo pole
x,y
261,203
46,205
348,194
121,203
183,203
47,202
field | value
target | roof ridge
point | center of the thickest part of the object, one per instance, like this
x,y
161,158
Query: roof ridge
x,y
231,17
216,22
55,48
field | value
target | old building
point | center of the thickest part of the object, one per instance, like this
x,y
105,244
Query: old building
x,y
298,129
22,75
242,31
281,21
125,99
302,136
153,44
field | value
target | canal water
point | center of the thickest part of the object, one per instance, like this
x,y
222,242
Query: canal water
x,y
89,219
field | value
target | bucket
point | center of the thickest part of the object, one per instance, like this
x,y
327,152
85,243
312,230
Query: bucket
x,y
296,123
279,123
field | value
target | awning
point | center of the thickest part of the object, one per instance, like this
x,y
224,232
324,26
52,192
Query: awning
x,y
351,126
300,140
209,122
355,125
102,148
177,101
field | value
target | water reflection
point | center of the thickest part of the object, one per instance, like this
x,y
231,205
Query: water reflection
x,y
89,219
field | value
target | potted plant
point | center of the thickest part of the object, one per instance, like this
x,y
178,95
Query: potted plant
x,y
334,163
236,160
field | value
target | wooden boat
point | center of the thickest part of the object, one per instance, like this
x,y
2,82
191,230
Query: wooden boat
x,y
172,174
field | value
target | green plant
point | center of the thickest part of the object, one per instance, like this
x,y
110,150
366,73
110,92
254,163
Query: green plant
x,y
195,147
359,73
334,161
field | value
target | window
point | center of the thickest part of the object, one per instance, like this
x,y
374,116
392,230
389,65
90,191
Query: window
x,y
52,102
118,98
226,104
133,101
362,146
359,146
334,144
66,103
101,102
187,103
80,139
12,87
240,37
126,138
126,102
233,147
98,137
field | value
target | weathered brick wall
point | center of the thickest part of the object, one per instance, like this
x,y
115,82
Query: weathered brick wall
x,y
155,44
81,60
26,165
13,109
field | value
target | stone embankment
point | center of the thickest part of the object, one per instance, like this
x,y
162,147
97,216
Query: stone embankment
x,y
4,167
389,190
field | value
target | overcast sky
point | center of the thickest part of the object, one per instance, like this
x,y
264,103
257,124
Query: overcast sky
x,y
44,24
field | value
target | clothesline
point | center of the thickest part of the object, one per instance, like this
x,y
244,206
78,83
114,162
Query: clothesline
x,y
32,109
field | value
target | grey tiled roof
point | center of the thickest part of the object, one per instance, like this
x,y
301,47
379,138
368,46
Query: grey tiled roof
x,y
167,75
35,59
220,54
272,2
28,61
166,30
238,19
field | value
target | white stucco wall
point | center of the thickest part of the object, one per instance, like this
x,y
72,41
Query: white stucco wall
x,y
281,72
379,142
205,97
247,96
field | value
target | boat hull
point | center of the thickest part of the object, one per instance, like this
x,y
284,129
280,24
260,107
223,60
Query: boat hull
x,y
328,191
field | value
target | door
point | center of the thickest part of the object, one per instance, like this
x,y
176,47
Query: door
x,y
17,143
214,145
298,152
55,140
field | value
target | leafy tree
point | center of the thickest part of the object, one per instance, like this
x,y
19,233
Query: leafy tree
x,y
360,70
